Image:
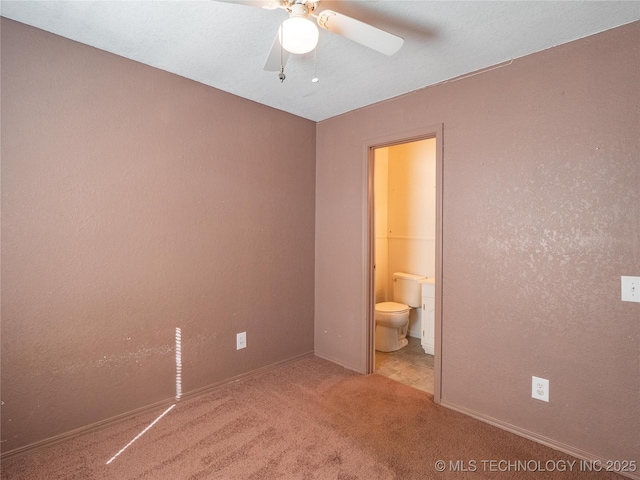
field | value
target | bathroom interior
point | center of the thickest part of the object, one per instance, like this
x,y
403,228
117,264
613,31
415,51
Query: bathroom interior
x,y
405,233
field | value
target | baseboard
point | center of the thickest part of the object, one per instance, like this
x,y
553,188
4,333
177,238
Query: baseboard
x,y
338,362
244,376
33,447
549,442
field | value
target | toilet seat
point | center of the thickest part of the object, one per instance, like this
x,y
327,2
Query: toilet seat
x,y
392,307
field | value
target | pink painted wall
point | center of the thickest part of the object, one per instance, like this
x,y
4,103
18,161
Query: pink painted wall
x,y
134,202
541,217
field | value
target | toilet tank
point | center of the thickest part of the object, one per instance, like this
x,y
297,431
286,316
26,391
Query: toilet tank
x,y
406,289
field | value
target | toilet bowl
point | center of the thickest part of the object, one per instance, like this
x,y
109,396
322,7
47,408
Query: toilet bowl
x,y
392,322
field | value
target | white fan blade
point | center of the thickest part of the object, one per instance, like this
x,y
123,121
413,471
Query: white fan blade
x,y
268,4
360,32
277,57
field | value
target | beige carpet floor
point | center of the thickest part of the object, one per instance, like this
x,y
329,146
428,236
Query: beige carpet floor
x,y
307,420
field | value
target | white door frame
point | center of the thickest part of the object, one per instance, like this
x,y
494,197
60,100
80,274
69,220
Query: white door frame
x,y
433,131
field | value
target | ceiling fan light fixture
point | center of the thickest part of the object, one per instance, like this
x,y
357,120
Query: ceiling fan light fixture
x,y
298,34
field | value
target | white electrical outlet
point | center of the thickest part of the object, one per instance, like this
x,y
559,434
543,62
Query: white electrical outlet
x,y
540,388
241,340
630,287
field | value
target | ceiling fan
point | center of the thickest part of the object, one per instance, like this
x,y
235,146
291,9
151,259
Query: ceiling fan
x,y
299,35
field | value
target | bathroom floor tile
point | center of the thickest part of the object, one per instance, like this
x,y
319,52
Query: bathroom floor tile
x,y
409,365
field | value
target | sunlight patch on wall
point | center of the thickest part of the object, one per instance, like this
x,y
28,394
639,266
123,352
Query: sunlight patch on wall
x,y
178,394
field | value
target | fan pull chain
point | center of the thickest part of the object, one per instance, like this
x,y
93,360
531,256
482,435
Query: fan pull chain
x,y
315,66
281,75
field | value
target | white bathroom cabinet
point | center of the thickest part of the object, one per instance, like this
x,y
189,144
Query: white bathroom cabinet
x,y
428,315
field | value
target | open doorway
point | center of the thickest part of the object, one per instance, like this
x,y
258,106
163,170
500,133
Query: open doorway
x,y
404,238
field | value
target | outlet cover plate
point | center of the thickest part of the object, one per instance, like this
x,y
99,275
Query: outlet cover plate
x,y
630,287
540,388
241,340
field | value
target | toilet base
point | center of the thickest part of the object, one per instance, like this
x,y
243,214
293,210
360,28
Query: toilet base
x,y
389,339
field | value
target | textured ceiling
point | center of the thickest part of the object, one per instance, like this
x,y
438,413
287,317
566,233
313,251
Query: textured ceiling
x,y
225,45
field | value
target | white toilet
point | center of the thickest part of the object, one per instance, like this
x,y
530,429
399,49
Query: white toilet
x,y
392,318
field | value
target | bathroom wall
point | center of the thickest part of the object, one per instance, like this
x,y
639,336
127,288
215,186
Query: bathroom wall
x,y
540,220
134,202
412,207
